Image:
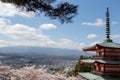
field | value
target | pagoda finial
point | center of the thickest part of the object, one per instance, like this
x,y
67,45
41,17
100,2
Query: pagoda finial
x,y
107,27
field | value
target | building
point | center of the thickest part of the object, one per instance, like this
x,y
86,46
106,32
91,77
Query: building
x,y
106,60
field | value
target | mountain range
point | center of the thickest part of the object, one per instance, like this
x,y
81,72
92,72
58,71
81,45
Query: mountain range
x,y
25,50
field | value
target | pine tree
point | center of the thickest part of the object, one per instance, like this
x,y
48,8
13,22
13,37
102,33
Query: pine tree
x,y
64,11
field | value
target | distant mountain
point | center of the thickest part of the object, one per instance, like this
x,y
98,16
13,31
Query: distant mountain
x,y
23,50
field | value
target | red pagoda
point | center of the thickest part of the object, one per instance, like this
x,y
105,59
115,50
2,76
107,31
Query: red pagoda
x,y
106,60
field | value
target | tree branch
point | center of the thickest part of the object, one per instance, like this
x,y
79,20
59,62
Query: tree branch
x,y
64,12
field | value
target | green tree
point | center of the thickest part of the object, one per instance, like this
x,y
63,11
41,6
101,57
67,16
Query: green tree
x,y
64,11
82,67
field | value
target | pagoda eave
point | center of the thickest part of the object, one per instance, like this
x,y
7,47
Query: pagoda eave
x,y
90,61
103,45
91,48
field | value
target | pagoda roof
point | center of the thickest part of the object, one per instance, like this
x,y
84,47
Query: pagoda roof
x,y
104,44
91,76
108,61
110,45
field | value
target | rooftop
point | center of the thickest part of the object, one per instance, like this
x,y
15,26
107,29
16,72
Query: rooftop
x,y
104,44
91,76
110,45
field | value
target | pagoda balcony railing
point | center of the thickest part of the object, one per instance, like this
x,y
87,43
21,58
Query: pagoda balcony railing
x,y
96,56
107,56
106,72
113,56
97,72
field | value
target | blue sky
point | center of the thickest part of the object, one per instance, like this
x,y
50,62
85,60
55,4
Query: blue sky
x,y
26,29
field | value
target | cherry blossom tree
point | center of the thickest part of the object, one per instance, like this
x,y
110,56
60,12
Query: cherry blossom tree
x,y
30,73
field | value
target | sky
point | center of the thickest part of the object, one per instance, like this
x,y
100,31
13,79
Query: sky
x,y
20,28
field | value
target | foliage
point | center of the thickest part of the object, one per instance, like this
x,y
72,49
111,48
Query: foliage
x,y
64,11
82,67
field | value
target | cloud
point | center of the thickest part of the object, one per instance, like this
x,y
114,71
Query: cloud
x,y
69,44
4,22
91,36
23,35
95,42
114,22
115,36
21,32
48,26
3,43
83,45
98,22
10,10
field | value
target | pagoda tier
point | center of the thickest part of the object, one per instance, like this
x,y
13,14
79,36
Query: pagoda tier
x,y
104,67
107,58
107,69
107,50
